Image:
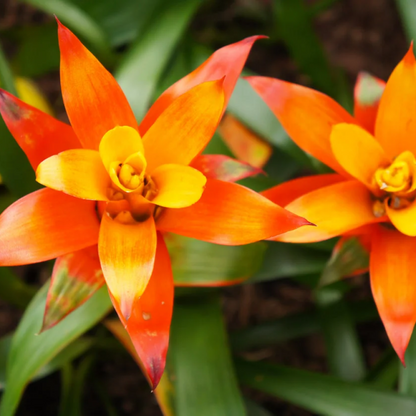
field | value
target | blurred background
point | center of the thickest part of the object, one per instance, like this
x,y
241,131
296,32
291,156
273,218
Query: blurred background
x,y
149,44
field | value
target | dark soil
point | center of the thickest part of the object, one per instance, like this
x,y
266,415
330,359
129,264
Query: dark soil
x,y
357,35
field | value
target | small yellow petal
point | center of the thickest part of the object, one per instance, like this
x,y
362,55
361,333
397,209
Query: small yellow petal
x,y
177,186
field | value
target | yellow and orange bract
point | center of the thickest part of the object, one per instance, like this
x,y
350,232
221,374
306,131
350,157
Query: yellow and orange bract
x,y
119,185
374,188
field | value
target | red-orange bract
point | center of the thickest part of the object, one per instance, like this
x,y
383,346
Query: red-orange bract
x,y
119,184
374,189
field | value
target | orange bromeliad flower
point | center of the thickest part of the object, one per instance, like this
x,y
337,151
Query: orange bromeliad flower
x,y
374,189
118,184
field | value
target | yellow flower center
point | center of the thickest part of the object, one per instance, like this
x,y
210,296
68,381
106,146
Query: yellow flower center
x,y
128,176
395,178
396,182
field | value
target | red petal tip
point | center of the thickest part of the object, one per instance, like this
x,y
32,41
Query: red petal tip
x,y
126,306
399,334
409,58
155,367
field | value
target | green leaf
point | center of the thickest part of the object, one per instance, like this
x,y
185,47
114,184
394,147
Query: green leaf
x,y
293,326
344,353
323,394
253,409
68,354
15,169
13,290
407,379
30,352
122,20
146,59
407,11
38,51
293,20
386,371
289,260
199,362
80,22
197,263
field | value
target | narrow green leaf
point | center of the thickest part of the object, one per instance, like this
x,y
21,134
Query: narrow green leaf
x,y
323,394
6,76
253,409
197,263
344,353
407,11
69,353
15,169
407,379
289,260
30,352
293,326
122,20
144,63
13,290
78,21
199,362
386,371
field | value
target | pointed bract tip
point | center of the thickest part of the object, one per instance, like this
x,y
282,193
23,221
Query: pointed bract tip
x,y
126,306
399,334
409,58
155,368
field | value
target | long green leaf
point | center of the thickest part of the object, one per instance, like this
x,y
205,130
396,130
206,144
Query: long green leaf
x,y
30,352
197,263
15,169
407,11
77,20
293,326
323,394
13,290
199,362
407,379
344,353
144,63
286,260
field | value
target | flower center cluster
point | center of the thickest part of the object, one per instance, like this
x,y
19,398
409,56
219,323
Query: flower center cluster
x,y
397,183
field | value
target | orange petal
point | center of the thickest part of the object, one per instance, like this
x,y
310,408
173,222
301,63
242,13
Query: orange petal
x,y
367,93
289,191
75,278
229,214
178,186
77,172
149,322
358,152
404,219
396,119
244,144
46,224
306,115
226,63
38,134
182,131
392,265
335,209
224,168
127,253
118,144
93,100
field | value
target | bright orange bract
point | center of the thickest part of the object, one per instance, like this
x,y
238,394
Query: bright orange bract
x,y
374,189
117,184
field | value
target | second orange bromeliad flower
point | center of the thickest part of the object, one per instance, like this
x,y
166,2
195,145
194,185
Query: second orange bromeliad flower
x,y
374,189
112,182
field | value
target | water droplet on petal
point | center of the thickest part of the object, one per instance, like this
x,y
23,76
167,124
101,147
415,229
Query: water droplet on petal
x,y
146,316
